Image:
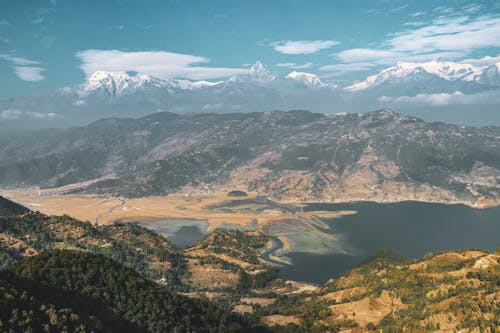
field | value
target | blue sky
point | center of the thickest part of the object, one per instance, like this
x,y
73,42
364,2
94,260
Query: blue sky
x,y
45,45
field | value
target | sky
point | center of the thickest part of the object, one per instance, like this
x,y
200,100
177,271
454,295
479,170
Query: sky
x,y
46,45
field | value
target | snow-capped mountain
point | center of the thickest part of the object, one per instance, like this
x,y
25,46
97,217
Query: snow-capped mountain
x,y
104,84
405,87
120,84
429,77
115,84
490,75
259,73
192,85
309,80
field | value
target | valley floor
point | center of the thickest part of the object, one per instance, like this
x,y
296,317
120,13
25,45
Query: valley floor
x,y
166,214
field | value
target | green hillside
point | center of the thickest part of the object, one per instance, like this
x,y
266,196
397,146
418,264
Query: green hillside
x,y
8,208
75,291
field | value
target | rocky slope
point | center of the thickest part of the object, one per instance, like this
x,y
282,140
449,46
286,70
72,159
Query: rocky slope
x,y
295,155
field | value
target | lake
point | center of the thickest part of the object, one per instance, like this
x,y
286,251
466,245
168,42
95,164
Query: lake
x,y
413,228
180,231
186,236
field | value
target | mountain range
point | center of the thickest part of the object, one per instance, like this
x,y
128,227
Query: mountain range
x,y
435,90
296,155
430,77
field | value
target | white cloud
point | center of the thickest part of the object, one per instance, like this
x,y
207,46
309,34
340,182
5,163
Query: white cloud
x,y
426,57
452,38
373,57
340,69
415,23
39,115
162,64
23,68
360,54
398,9
286,64
80,102
17,60
10,114
444,10
417,14
450,34
294,65
31,74
4,22
302,46
16,114
484,61
489,97
215,106
472,8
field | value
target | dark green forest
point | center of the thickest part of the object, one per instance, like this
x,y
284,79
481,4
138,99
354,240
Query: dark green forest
x,y
75,291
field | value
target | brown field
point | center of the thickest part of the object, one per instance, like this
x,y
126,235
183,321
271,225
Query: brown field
x,y
89,207
367,310
280,320
339,295
262,301
108,210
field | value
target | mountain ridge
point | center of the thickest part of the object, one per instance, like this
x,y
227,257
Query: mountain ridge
x,y
442,76
297,155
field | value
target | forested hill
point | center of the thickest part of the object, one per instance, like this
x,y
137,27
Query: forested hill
x,y
30,233
8,208
76,291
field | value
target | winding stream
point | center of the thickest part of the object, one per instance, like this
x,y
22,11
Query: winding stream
x,y
109,211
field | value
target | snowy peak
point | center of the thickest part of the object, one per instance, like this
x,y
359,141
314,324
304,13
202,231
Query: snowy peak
x,y
118,84
106,84
259,73
407,71
309,80
192,85
445,69
491,75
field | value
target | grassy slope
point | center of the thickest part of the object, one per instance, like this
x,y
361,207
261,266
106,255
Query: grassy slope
x,y
446,292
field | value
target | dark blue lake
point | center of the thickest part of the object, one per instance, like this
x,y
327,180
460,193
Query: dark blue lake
x,y
413,228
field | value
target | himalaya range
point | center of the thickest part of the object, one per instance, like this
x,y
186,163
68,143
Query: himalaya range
x,y
436,90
